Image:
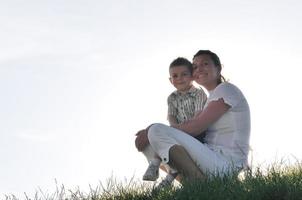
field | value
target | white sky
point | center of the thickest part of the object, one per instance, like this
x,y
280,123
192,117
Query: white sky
x,y
79,78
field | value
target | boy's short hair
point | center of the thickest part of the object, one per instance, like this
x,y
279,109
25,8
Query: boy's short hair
x,y
180,61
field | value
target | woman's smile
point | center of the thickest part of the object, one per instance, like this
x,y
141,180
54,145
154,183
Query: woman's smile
x,y
201,75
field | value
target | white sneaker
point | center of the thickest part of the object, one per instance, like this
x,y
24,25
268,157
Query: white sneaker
x,y
151,173
167,181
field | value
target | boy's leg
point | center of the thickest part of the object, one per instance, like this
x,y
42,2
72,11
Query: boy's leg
x,y
152,172
168,180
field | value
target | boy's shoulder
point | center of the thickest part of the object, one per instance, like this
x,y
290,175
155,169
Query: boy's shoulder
x,y
197,90
192,92
173,95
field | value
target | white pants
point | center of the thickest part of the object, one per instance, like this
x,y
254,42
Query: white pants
x,y
151,155
210,162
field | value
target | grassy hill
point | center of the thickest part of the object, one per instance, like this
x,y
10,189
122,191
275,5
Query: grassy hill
x,y
272,184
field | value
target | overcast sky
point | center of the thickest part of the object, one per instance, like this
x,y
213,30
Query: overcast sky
x,y
79,78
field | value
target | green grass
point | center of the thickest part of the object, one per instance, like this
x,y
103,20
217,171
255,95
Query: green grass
x,y
274,183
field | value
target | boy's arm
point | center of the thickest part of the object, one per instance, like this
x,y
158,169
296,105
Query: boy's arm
x,y
172,110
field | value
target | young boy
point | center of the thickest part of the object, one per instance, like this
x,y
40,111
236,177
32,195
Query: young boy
x,y
183,104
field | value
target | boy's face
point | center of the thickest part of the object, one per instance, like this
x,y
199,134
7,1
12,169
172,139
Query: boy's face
x,y
181,78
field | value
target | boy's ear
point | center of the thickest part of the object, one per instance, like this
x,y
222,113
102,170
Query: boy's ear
x,y
170,79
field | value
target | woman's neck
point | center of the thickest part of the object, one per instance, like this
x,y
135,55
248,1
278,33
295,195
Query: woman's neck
x,y
211,87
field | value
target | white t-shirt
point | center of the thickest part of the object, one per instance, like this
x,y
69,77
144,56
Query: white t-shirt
x,y
230,134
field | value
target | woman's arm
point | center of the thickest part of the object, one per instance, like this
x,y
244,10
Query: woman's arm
x,y
201,121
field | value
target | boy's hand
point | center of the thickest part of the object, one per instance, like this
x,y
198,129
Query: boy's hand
x,y
141,140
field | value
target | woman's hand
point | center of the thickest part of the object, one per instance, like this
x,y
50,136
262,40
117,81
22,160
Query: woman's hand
x,y
141,140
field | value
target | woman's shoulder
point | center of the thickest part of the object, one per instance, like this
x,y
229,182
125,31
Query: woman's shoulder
x,y
229,92
227,87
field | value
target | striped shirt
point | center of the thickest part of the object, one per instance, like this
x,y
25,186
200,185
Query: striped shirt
x,y
185,106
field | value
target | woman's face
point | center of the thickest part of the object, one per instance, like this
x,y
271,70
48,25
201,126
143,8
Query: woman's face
x,y
205,72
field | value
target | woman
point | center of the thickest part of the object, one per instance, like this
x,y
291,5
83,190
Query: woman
x,y
226,119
